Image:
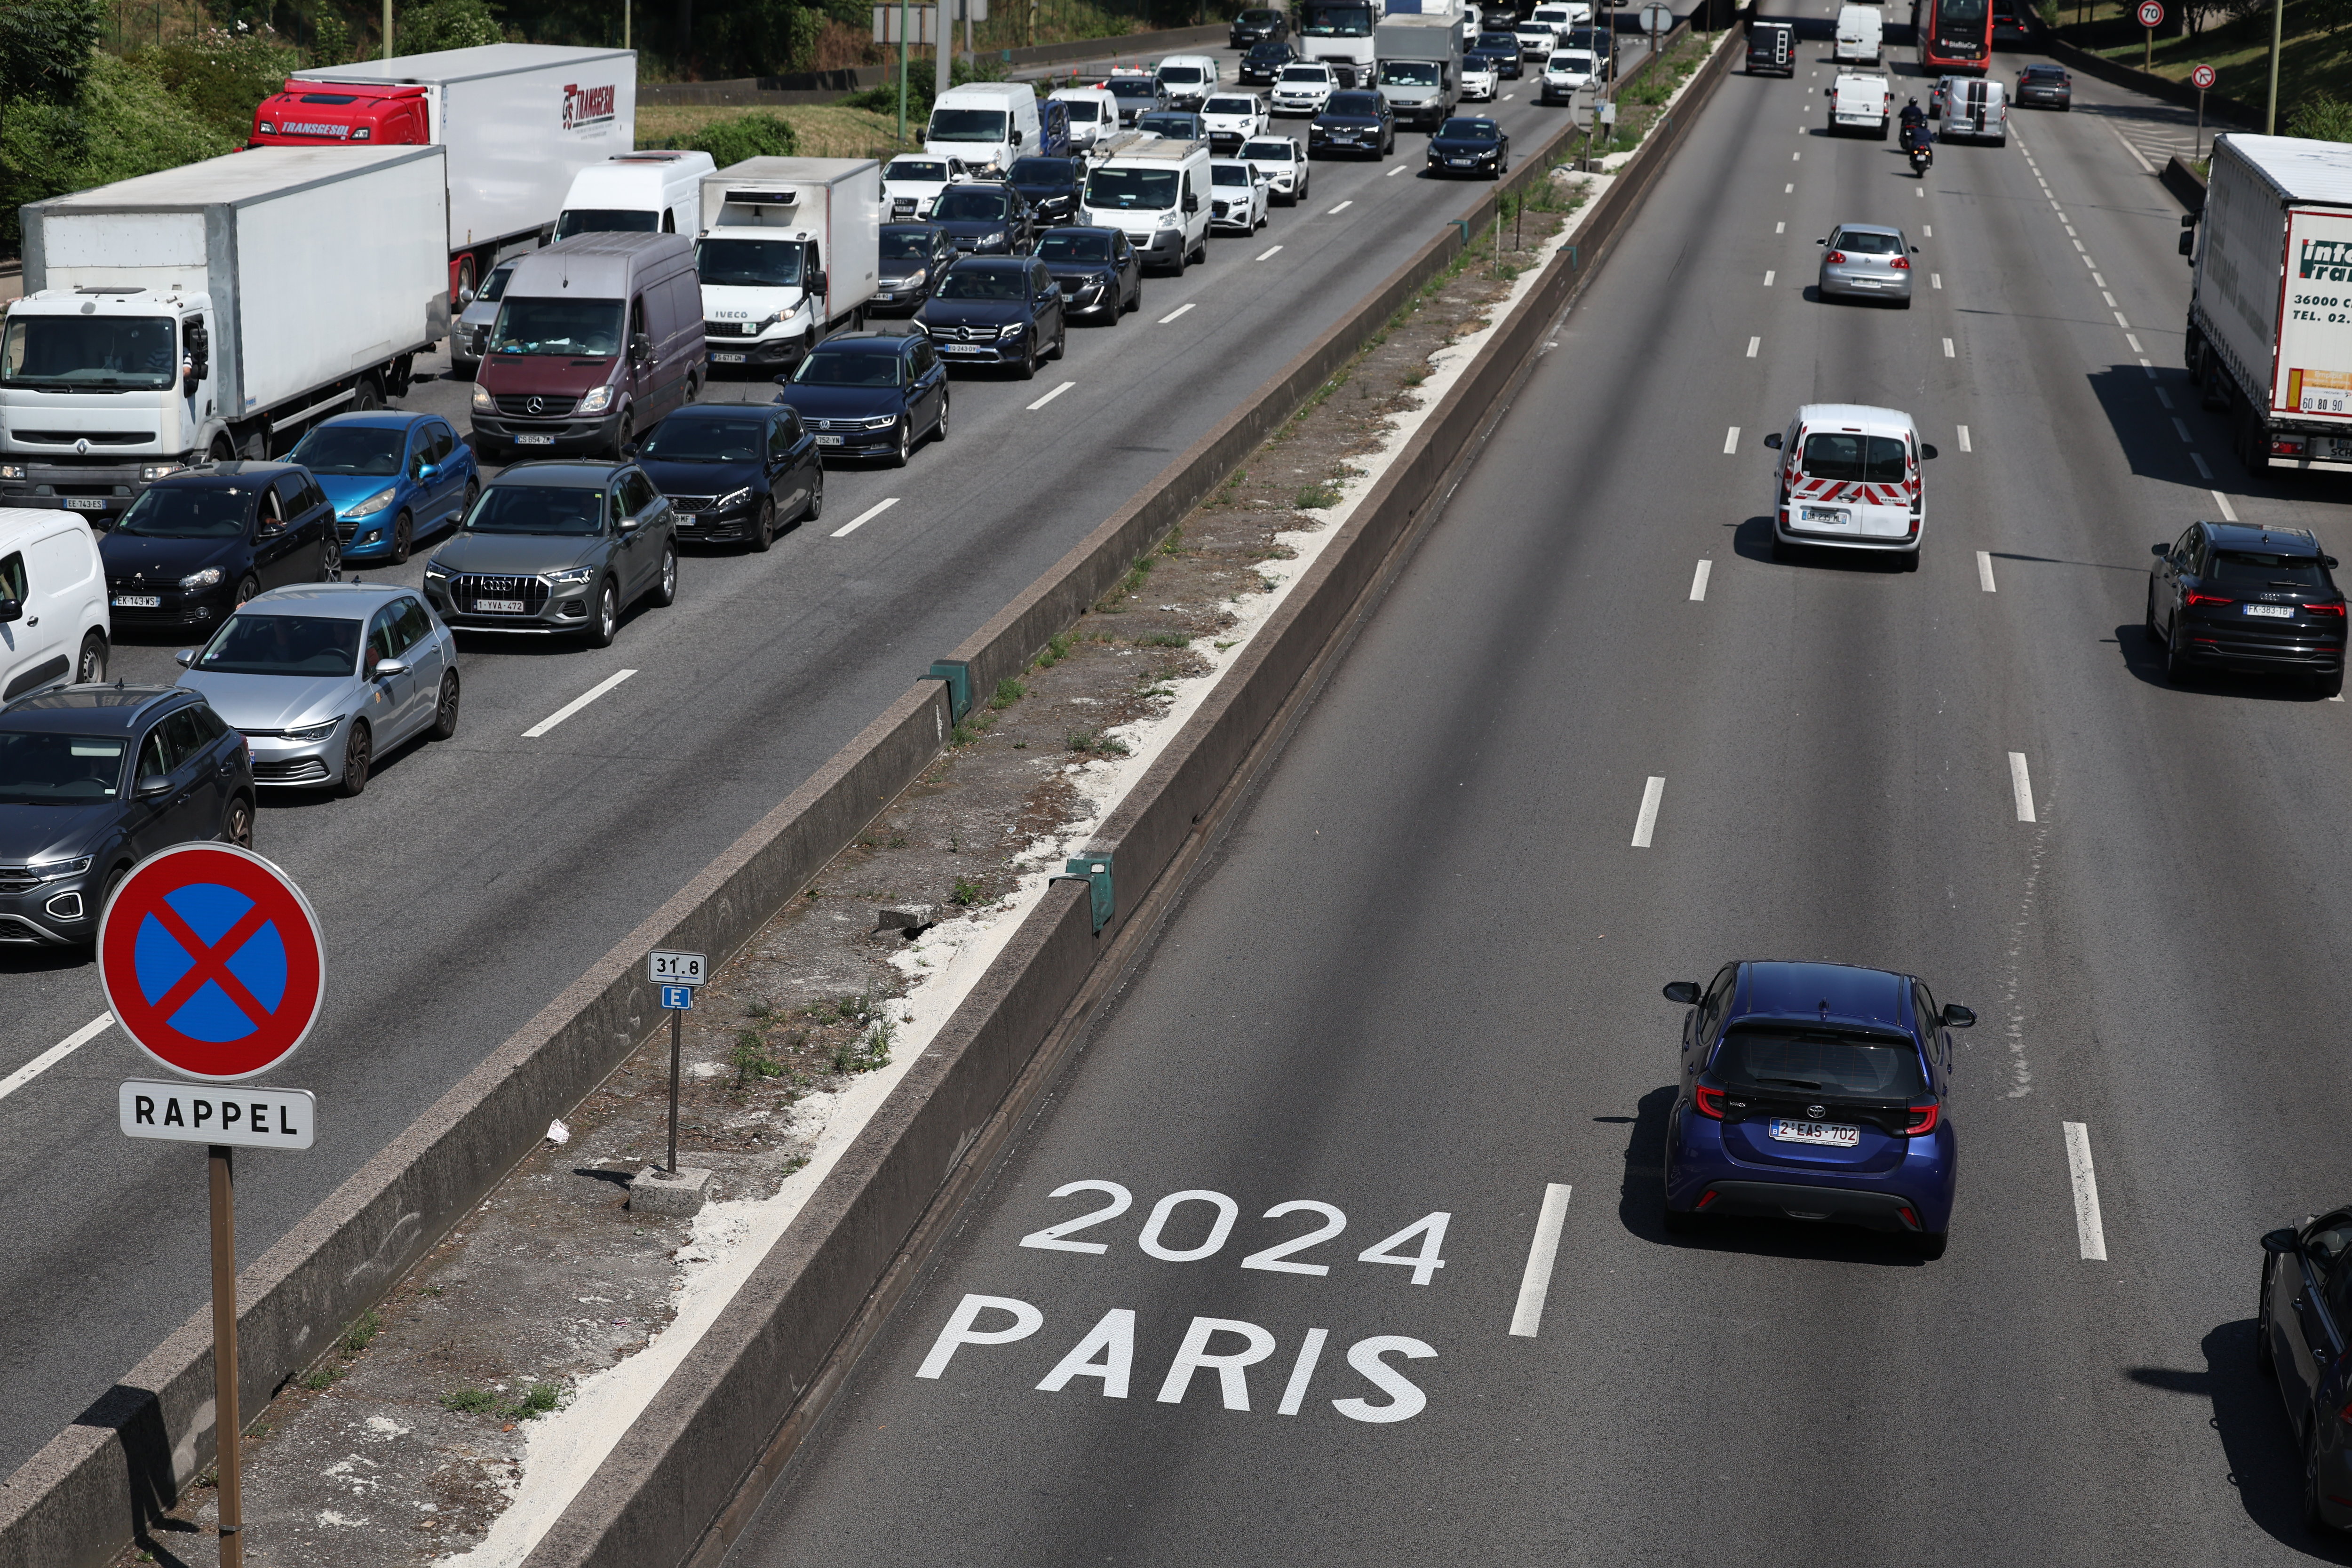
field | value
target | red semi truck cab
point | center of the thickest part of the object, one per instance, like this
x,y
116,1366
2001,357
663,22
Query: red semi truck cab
x,y
313,114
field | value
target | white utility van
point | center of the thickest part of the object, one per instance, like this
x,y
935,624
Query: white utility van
x,y
1158,193
53,623
1847,477
1861,34
984,124
1859,105
789,250
636,193
1186,80
1975,109
1094,114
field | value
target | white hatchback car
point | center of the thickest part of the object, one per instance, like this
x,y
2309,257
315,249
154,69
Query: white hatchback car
x,y
1566,70
1303,88
1848,477
1283,163
1231,119
910,184
1479,83
1239,194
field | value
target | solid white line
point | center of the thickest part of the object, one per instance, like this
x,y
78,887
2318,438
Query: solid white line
x,y
1984,572
2228,515
2204,469
1173,314
1051,396
1652,792
54,1054
1767,279
871,512
1534,1280
577,703
1267,254
2087,1228
2182,425
1392,173
1965,443
1753,344
1698,581
1343,207
1947,348
2021,787
2146,168
1731,441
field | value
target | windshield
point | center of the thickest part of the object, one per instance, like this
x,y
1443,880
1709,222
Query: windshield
x,y
1861,459
537,508
283,644
1229,174
1188,76
1867,244
1959,15
707,440
2043,73
359,449
170,512
1498,40
1042,172
1230,106
1468,130
606,220
966,125
1573,61
1367,104
1060,245
1132,188
832,366
589,328
89,351
983,283
1133,86
1872,1066
969,202
1261,18
2262,569
906,244
494,287
1306,73
1338,22
750,263
1409,73
917,170
1083,110
59,769
1268,152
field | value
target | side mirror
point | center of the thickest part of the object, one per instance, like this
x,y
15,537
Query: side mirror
x,y
1822,241
185,659
1685,992
384,667
2329,562
641,347
2282,1244
1955,1017
1773,440
2188,220
817,282
1191,204
153,785
1017,139
629,525
428,471
1926,452
1915,251
2160,549
11,610
2188,242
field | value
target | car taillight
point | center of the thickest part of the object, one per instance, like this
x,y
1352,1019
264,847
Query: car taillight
x,y
1710,1101
1923,1121
1901,264
2194,599
1837,256
2286,445
2335,609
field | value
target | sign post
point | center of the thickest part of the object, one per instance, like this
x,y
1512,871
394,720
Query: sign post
x,y
677,974
214,965
2202,78
2151,18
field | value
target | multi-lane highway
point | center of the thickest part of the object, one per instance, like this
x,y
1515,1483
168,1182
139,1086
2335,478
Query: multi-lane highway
x,y
1421,977
476,878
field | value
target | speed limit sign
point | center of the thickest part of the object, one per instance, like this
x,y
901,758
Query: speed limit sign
x,y
2151,14
2202,78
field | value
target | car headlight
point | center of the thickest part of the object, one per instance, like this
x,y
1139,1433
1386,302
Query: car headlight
x,y
571,577
990,242
1170,220
483,400
434,569
311,734
915,281
146,471
732,498
597,401
373,505
885,422
1012,331
203,579
57,871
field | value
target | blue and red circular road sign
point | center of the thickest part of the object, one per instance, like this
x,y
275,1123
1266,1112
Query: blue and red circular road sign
x,y
212,961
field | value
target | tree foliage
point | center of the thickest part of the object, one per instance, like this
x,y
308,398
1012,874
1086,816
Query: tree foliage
x,y
221,74
45,49
2322,116
440,25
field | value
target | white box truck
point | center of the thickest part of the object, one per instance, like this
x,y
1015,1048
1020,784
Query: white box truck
x,y
210,311
518,121
1419,68
789,250
2269,308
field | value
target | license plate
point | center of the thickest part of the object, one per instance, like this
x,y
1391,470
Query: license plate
x,y
86,503
1459,163
828,440
1828,1133
2273,612
960,349
1824,514
138,602
534,440
727,359
499,606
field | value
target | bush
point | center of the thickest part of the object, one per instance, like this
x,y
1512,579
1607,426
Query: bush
x,y
742,136
122,124
221,76
2323,117
446,24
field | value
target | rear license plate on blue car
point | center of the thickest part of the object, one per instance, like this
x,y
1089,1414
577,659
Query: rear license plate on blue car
x,y
2275,611
1828,1133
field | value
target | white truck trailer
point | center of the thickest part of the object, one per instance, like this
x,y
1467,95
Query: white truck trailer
x,y
2270,308
518,121
789,249
211,311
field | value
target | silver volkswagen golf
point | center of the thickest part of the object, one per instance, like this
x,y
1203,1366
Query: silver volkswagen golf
x,y
324,678
1867,260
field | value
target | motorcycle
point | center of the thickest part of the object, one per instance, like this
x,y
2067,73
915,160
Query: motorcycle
x,y
1922,158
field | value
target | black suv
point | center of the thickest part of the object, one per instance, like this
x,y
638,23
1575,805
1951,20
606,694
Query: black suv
x,y
986,217
2230,596
1353,122
1258,27
1264,62
557,546
988,312
1050,186
204,540
94,779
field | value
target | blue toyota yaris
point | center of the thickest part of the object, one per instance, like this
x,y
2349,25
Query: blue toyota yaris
x,y
1815,1091
394,479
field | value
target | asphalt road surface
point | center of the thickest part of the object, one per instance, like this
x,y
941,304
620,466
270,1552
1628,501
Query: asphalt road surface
x,y
475,879
1421,977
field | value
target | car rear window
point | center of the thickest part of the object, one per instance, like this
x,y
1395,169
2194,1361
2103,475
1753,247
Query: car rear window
x,y
1861,459
1824,1062
1870,244
2262,569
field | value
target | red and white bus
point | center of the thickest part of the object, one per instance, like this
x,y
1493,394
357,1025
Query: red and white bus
x,y
1955,37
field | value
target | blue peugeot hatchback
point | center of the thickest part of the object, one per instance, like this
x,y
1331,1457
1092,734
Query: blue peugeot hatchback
x,y
1815,1091
395,479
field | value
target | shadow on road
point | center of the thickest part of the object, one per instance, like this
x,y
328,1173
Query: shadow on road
x,y
2143,655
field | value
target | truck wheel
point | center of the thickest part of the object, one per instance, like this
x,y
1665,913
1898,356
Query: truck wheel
x,y
367,397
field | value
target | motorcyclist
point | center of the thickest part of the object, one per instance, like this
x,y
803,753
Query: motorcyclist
x,y
1913,115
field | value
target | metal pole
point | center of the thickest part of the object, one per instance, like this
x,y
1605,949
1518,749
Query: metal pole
x,y
902,72
676,1031
626,6
2148,49
2270,114
387,29
2200,122
942,46
226,1424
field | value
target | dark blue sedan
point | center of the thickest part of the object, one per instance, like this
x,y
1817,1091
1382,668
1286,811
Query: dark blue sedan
x,y
394,479
869,395
1814,1091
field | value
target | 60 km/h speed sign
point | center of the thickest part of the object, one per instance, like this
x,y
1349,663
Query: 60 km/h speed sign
x,y
2151,14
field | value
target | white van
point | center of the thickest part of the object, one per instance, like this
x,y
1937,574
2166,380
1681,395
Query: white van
x,y
1974,108
1158,193
636,193
1094,114
54,629
985,124
1185,81
1860,105
1861,34
1847,477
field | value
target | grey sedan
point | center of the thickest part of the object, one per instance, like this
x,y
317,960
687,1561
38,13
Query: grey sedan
x,y
324,678
557,546
472,329
1867,260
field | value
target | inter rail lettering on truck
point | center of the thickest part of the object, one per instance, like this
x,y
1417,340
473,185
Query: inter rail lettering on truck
x,y
585,107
